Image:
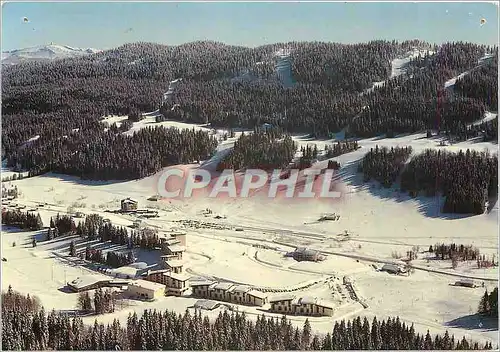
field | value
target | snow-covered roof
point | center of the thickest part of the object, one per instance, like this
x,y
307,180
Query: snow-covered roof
x,y
206,304
391,267
176,248
178,277
128,200
308,300
125,271
284,297
323,303
241,288
174,263
201,283
154,286
257,294
223,286
85,281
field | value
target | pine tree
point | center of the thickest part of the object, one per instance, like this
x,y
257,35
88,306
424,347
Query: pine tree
x,y
484,304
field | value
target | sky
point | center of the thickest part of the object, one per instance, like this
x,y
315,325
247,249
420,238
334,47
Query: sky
x,y
105,25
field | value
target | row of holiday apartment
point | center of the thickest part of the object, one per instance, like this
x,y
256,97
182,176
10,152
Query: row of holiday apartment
x,y
241,294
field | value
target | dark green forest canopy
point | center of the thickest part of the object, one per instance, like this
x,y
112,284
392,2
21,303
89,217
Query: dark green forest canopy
x,y
26,326
53,99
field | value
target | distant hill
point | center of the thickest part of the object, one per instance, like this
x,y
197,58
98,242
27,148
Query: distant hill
x,y
44,52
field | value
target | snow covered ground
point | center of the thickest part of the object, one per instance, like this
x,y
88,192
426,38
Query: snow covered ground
x,y
378,221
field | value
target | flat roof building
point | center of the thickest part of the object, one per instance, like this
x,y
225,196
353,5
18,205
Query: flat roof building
x,y
87,282
143,289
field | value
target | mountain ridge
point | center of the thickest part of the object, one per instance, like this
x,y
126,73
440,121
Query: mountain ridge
x,y
44,52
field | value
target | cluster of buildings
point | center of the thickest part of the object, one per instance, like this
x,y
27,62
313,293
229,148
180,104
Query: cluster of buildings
x,y
171,280
287,304
228,292
176,282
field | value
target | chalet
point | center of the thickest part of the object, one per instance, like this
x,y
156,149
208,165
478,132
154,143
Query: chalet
x,y
219,291
175,251
256,298
237,294
177,284
282,303
174,265
128,204
201,288
312,306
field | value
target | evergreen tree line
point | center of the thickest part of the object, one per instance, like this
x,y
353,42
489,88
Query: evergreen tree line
x,y
67,98
481,83
339,148
448,251
416,100
467,179
487,129
384,165
112,259
105,155
63,225
36,330
102,302
489,303
259,150
24,220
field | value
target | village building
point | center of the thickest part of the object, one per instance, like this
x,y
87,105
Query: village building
x,y
237,294
144,289
201,288
174,265
156,276
282,303
85,283
128,204
300,306
228,292
219,291
305,254
206,304
256,298
312,306
177,284
174,252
